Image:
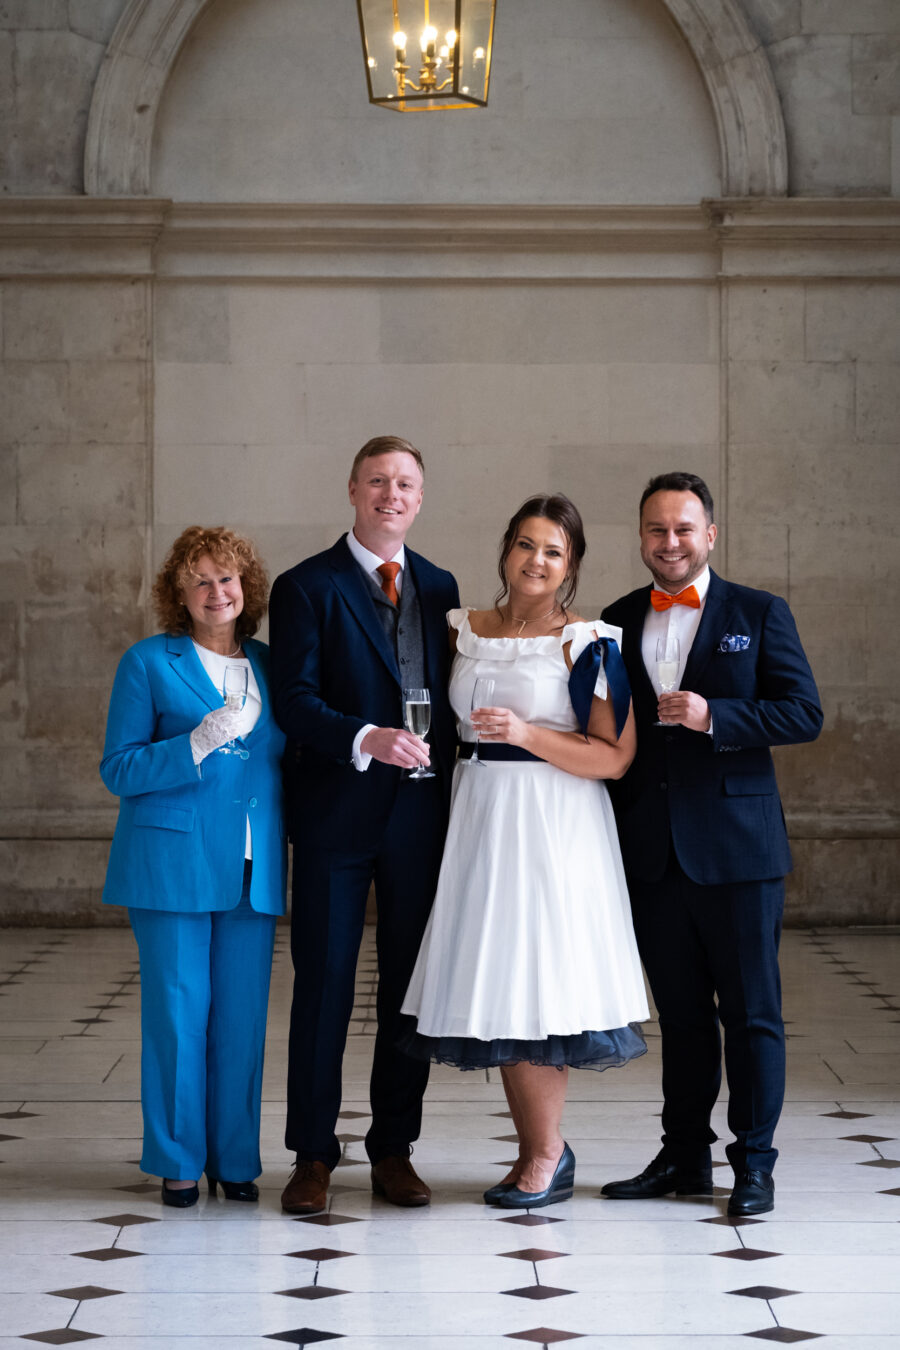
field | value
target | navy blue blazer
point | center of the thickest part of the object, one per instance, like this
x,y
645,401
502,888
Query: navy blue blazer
x,y
716,795
181,833
333,671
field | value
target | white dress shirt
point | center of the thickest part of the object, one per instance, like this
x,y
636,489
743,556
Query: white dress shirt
x,y
370,563
681,621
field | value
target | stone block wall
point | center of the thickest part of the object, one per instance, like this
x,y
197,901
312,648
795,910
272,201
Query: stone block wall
x,y
553,307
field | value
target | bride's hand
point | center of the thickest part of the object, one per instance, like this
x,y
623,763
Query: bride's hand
x,y
499,724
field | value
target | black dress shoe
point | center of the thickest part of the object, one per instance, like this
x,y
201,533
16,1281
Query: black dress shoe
x,y
234,1190
661,1178
560,1188
180,1199
754,1193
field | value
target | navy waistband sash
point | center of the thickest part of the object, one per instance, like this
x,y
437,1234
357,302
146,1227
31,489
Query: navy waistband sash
x,y
583,677
497,750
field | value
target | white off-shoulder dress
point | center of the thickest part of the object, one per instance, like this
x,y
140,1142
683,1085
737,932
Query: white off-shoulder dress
x,y
529,953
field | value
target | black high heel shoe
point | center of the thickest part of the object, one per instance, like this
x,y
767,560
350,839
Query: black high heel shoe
x,y
234,1190
180,1199
560,1188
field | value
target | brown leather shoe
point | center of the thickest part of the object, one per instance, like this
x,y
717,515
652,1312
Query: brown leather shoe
x,y
307,1190
395,1179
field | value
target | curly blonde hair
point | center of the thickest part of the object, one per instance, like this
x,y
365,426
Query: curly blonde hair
x,y
226,548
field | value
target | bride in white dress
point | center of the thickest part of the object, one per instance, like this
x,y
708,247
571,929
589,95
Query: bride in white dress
x,y
529,960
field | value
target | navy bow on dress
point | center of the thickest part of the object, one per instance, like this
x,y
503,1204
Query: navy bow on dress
x,y
599,654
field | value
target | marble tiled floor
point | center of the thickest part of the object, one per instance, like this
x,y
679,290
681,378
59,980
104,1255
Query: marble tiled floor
x,y
89,1252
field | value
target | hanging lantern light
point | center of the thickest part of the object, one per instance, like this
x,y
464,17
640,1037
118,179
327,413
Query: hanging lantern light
x,y
427,54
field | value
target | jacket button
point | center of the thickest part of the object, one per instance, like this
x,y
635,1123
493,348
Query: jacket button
x,y
252,801
670,737
663,786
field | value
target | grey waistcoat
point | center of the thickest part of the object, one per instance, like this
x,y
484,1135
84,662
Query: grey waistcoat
x,y
403,629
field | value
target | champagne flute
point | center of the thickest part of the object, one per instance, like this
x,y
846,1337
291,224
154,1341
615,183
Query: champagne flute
x,y
417,719
234,692
482,697
668,661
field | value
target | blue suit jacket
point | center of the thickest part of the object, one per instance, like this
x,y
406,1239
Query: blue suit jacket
x,y
716,796
334,670
180,837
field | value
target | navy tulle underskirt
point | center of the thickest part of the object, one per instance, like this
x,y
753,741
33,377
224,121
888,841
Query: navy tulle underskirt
x,y
587,1050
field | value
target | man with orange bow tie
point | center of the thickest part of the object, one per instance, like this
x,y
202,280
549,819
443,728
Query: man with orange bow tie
x,y
704,841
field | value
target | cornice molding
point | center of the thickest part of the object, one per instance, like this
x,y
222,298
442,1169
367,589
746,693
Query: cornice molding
x,y
79,235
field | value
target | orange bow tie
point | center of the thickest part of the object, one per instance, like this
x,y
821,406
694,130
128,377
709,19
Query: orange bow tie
x,y
662,600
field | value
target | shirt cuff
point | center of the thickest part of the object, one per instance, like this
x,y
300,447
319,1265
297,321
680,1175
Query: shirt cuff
x,y
360,759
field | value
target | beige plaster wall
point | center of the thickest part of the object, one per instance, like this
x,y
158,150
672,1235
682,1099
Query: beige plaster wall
x,y
581,104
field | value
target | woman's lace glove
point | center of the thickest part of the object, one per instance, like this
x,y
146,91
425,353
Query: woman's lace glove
x,y
217,727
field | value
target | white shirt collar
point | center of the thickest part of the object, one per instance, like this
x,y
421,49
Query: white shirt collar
x,y
369,561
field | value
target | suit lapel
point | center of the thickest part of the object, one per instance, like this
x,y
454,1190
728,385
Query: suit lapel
x,y
351,583
712,625
186,664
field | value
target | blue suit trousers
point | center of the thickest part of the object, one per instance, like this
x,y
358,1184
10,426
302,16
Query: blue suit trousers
x,y
204,996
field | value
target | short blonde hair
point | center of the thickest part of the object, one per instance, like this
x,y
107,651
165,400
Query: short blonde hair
x,y
385,445
224,547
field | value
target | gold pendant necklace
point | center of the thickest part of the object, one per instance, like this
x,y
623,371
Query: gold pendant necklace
x,y
513,618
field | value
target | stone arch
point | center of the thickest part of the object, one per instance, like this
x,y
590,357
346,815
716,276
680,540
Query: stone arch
x,y
146,42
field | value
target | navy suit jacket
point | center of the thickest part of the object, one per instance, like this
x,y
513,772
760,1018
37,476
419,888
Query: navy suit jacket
x,y
716,796
334,670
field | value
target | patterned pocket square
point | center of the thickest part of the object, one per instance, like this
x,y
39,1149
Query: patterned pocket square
x,y
734,642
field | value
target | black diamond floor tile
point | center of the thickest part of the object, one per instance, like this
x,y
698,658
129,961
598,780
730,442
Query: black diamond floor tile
x,y
538,1291
62,1336
125,1220
747,1254
5,1138
327,1219
83,1291
767,1291
847,1115
305,1336
533,1254
544,1335
321,1254
732,1220
889,1163
531,1220
868,1138
311,1291
786,1335
895,1190
107,1254
18,1115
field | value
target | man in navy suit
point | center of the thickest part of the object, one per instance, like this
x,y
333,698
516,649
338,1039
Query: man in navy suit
x,y
349,629
704,841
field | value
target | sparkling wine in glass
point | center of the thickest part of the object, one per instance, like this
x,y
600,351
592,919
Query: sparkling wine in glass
x,y
234,692
417,720
482,697
668,664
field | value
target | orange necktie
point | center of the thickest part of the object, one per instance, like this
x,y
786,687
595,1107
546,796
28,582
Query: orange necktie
x,y
662,600
388,573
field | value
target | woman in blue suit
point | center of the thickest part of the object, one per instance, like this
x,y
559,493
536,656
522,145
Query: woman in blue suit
x,y
199,858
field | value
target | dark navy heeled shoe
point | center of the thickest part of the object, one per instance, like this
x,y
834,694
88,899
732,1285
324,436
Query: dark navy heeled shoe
x,y
180,1199
560,1188
493,1193
234,1190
